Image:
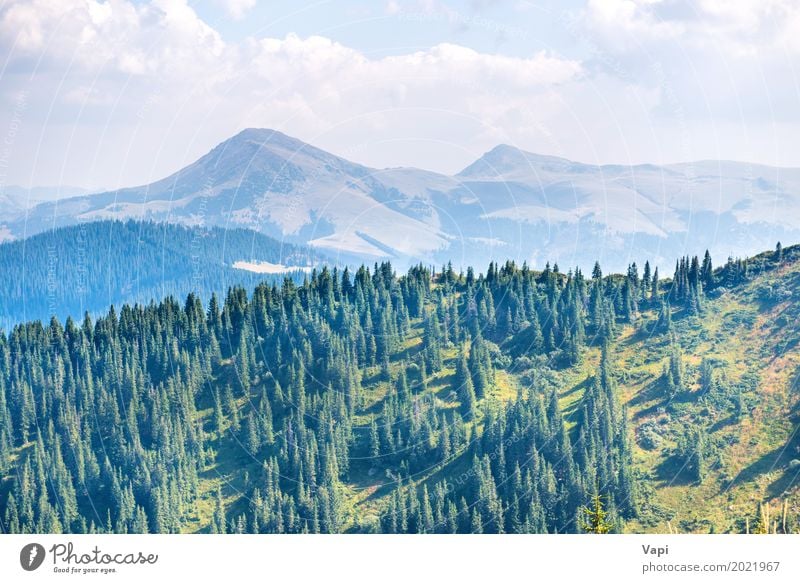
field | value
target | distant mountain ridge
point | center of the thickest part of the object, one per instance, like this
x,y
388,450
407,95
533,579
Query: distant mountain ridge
x,y
88,267
507,204
16,200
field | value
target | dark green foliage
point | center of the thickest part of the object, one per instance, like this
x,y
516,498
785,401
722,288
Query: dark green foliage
x,y
673,375
664,322
692,452
526,475
688,281
279,374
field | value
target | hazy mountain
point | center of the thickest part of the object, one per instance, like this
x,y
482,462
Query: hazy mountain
x,y
507,204
70,270
16,200
19,198
37,194
628,212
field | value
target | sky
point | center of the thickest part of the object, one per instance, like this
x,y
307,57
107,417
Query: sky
x,y
107,94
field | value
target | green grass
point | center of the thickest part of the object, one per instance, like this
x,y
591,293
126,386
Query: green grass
x,y
752,462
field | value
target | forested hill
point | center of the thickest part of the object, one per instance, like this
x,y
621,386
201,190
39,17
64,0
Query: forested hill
x,y
91,266
431,402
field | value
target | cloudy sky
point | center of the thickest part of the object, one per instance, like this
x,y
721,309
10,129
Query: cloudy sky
x,y
104,94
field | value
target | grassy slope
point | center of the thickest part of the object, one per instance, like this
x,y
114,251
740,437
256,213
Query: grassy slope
x,y
745,336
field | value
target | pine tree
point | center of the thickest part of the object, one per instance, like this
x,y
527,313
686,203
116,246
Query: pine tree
x,y
218,523
594,519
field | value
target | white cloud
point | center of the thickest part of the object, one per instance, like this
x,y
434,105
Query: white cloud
x,y
123,92
156,71
725,70
160,37
741,27
236,9
392,7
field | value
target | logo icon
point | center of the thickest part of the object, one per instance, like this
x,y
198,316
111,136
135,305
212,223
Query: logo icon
x,y
31,556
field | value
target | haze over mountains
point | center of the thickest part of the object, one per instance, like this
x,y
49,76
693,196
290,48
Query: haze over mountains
x,y
89,267
15,200
507,204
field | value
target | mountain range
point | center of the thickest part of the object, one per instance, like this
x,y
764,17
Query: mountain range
x,y
507,204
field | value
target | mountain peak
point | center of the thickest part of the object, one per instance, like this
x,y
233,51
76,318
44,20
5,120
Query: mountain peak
x,y
264,136
504,159
267,139
260,150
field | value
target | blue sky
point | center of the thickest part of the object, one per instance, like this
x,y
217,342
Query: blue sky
x,y
111,93
512,28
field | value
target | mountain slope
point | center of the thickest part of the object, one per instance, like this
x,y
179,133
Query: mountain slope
x,y
15,200
507,204
376,403
741,363
626,211
265,180
91,266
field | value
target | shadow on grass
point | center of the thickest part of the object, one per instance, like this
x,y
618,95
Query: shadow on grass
x,y
776,460
581,386
723,423
653,391
789,480
672,471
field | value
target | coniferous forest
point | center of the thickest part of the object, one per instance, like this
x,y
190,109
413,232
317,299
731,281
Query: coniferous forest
x,y
436,401
88,267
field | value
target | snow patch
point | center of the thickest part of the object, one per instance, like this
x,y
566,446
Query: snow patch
x,y
270,268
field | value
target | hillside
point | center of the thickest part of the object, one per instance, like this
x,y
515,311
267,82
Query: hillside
x,y
740,402
507,204
91,266
431,402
